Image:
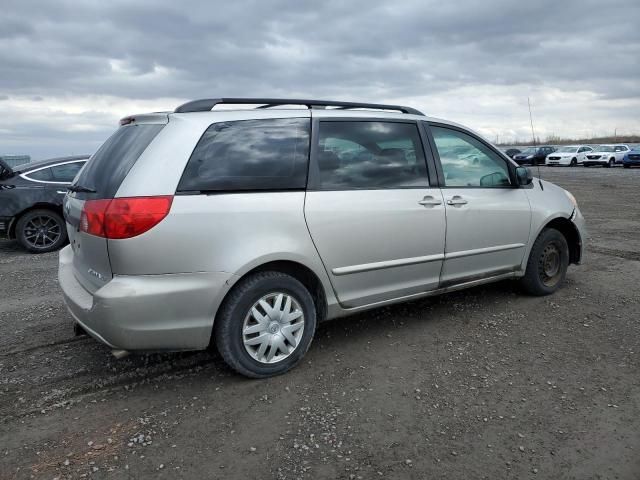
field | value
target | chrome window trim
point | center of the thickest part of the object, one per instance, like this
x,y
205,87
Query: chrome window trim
x,y
27,177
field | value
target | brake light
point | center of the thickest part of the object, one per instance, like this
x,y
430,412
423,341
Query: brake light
x,y
121,218
92,217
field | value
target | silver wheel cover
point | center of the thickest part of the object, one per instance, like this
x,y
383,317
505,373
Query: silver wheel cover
x,y
273,328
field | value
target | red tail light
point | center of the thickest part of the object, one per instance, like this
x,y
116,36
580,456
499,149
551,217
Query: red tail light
x,y
123,217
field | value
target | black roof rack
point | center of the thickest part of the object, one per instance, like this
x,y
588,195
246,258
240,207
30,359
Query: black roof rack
x,y
206,104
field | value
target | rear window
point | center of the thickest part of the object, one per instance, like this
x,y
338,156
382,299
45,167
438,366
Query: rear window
x,y
108,167
246,155
66,172
44,175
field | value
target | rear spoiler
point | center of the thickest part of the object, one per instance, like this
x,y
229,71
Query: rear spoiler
x,y
5,170
156,117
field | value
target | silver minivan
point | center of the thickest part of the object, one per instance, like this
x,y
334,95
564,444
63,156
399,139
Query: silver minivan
x,y
245,227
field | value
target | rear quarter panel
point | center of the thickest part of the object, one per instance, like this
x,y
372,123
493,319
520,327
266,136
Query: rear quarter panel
x,y
18,195
231,233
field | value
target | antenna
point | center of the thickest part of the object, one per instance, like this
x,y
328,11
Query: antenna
x,y
533,135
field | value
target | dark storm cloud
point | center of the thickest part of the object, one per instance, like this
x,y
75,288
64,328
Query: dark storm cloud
x,y
405,48
357,49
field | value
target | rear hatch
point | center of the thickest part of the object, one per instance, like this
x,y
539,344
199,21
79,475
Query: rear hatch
x,y
95,185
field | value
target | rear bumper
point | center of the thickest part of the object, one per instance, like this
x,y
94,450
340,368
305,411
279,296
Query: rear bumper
x,y
146,312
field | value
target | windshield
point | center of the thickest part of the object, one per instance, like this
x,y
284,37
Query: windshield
x,y
567,149
529,151
604,148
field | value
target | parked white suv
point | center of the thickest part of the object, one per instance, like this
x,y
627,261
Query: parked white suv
x,y
568,156
606,155
244,228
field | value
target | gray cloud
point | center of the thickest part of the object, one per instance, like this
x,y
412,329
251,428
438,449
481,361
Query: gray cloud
x,y
360,50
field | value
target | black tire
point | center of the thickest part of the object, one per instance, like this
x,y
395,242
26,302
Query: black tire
x,y
611,163
228,327
41,231
574,162
541,278
626,166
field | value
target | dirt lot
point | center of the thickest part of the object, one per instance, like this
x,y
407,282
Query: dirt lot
x,y
486,383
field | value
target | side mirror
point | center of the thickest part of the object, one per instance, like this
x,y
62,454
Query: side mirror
x,y
523,176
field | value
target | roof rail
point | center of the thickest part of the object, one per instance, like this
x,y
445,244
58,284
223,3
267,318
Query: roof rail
x,y
206,104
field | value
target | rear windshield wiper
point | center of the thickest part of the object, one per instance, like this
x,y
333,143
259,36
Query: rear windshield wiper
x,y
79,188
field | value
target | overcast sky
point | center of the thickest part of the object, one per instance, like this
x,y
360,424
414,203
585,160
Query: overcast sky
x,y
70,69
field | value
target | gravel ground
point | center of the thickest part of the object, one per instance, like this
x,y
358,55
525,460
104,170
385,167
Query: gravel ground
x,y
485,383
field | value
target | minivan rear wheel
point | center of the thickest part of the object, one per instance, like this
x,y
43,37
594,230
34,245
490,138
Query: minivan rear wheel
x,y
265,325
547,264
41,231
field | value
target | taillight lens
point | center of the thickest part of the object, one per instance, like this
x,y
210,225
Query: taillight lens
x,y
92,217
120,218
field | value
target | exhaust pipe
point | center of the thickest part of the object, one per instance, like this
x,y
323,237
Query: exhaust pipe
x,y
120,354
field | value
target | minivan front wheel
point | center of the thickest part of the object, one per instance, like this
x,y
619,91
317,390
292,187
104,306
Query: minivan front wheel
x,y
547,264
265,325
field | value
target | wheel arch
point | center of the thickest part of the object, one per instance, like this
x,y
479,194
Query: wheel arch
x,y
570,233
298,270
304,275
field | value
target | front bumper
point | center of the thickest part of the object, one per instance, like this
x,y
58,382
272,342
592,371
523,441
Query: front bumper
x,y
146,312
588,162
561,161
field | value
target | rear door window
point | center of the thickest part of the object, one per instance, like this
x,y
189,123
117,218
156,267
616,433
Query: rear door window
x,y
66,172
364,155
108,167
247,155
42,175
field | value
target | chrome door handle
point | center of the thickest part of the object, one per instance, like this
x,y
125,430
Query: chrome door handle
x,y
456,200
429,201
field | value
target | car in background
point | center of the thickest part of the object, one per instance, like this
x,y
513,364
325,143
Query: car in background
x,y
620,151
534,155
510,152
606,155
569,155
31,198
632,158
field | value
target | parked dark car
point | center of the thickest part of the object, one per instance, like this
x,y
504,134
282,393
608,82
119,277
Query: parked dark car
x,y
31,201
511,152
534,155
631,158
